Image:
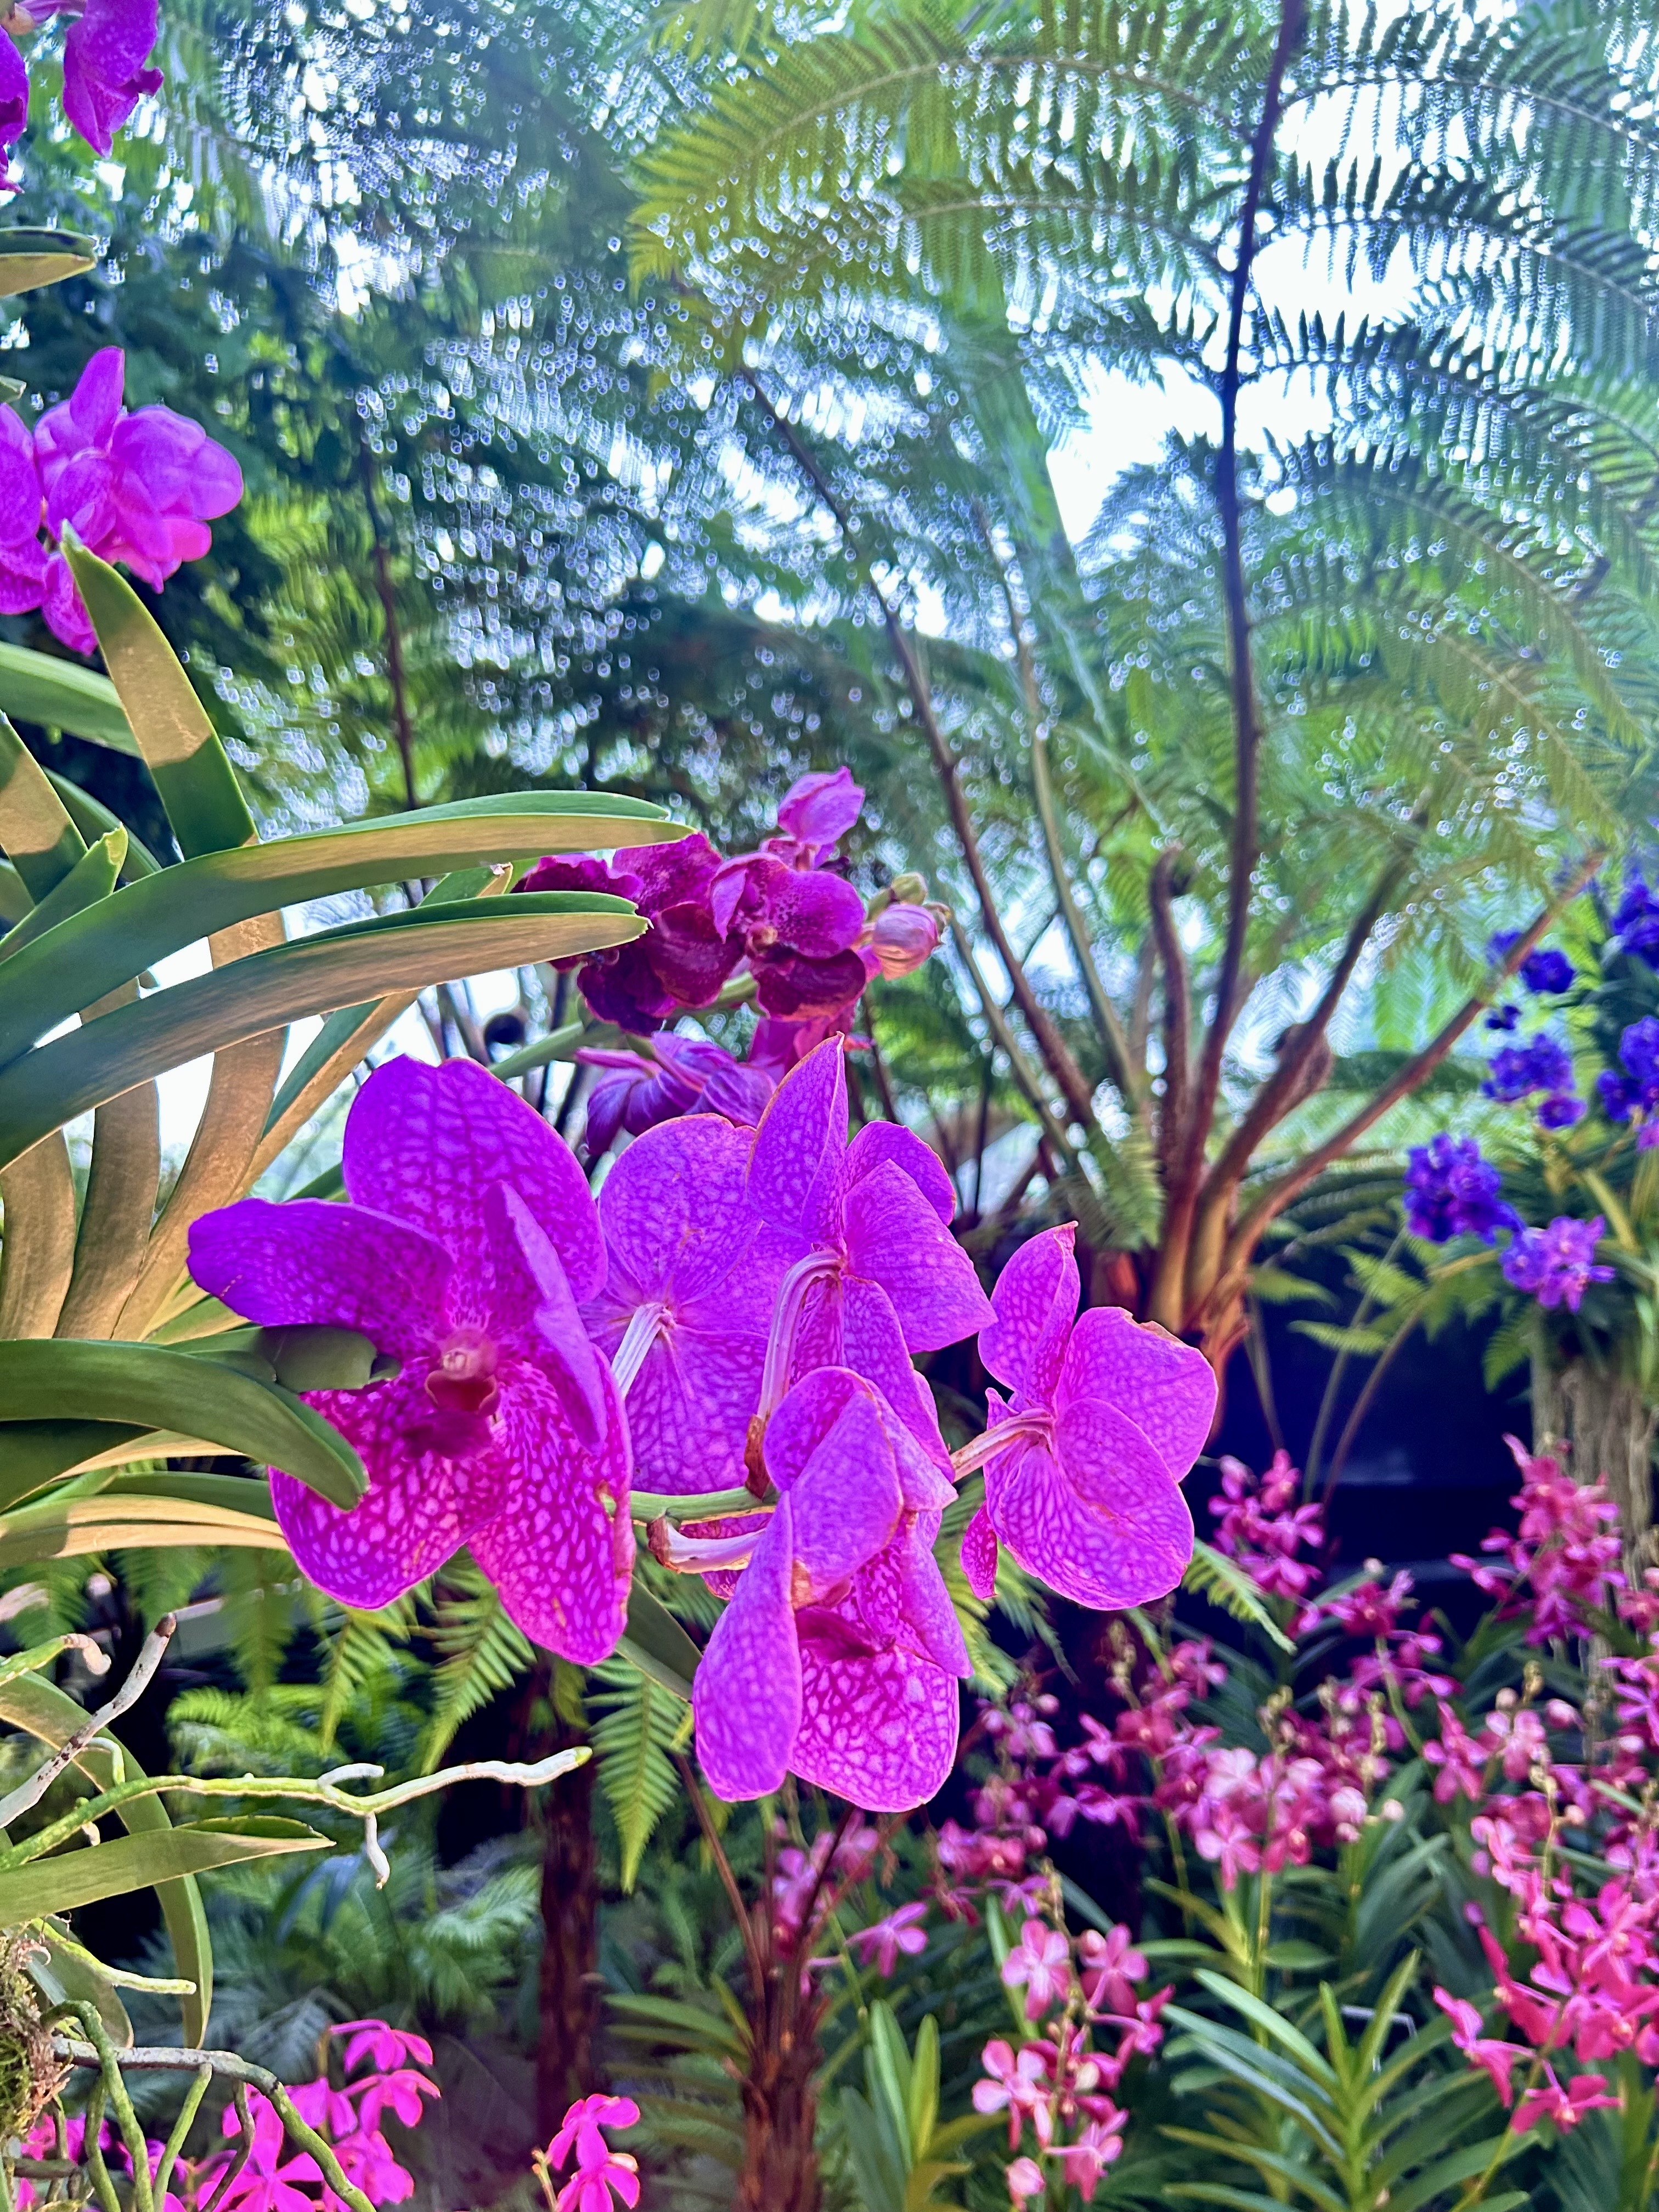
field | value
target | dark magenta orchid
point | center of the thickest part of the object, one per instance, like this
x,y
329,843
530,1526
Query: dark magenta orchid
x,y
681,960
22,556
1084,1461
795,923
880,1277
137,488
686,1307
838,1657
468,1238
105,74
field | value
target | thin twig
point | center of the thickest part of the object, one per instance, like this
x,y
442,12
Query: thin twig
x,y
751,1951
1178,1009
239,2157
1019,1066
30,1792
175,2141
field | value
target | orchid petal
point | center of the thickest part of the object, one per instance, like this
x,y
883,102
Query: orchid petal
x,y
677,1218
1035,1302
979,1557
305,1262
746,1697
878,1729
894,1237
821,808
929,1615
845,1502
795,1166
426,1143
1166,1387
531,1311
561,1562
890,1141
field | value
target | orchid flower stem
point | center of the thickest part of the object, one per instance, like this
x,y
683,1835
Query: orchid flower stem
x,y
648,1505
94,2152
757,1964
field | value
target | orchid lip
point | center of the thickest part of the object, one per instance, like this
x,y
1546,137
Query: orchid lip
x,y
1035,1426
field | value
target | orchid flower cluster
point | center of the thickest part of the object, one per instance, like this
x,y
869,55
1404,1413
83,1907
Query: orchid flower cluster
x,y
782,920
137,487
260,2174
601,2178
738,1313
1450,1191
107,50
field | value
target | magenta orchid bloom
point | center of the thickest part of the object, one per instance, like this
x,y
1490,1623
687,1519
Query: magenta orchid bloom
x,y
1084,1462
378,2043
600,2172
1495,2058
838,1657
684,1311
797,924
681,960
1040,1965
882,1277
884,1940
136,488
105,76
470,1236
22,556
686,1075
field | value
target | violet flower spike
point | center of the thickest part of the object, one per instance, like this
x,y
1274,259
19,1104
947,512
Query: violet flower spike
x,y
684,1311
1084,1460
839,1654
470,1235
881,1277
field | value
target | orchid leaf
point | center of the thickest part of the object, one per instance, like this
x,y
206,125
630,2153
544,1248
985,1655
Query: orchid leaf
x,y
43,1089
93,878
61,695
125,1863
30,259
654,1641
35,827
71,1529
148,1387
92,953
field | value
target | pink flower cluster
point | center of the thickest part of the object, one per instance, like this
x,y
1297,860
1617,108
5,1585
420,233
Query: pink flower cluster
x,y
139,488
1259,1525
603,2177
106,55
348,2116
1562,1562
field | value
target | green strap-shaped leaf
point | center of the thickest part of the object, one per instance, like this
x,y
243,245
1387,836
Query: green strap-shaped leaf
x,y
43,1089
242,1494
35,830
654,1641
128,1862
193,775
93,878
33,1454
61,695
37,1253
73,1528
95,953
93,820
30,259
50,1716
145,1386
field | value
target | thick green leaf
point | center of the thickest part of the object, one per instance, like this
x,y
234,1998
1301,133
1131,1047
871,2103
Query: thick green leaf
x,y
50,1716
69,1975
34,1453
196,784
146,1386
35,827
128,1862
15,900
93,820
93,878
92,954
73,1528
240,1494
654,1641
43,1089
61,695
30,259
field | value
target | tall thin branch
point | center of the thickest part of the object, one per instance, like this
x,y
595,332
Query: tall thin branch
x,y
1246,710
1056,1052
1178,1009
1023,1074
402,728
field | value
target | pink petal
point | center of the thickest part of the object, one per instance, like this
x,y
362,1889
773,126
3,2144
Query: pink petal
x,y
533,1311
890,1141
561,1562
878,1729
95,402
812,912
13,95
22,574
1035,1300
797,987
690,1407
426,1144
20,481
800,1146
64,609
820,809
103,67
1106,1525
419,1509
82,495
845,1501
930,1618
677,1218
747,1693
979,1557
339,1265
1166,1387
894,1237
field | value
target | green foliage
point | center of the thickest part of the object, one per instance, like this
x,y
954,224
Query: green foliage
x,y
900,2154
637,1725
479,1654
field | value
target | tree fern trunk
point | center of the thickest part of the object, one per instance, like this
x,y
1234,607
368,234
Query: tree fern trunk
x,y
780,2104
569,1988
1608,1429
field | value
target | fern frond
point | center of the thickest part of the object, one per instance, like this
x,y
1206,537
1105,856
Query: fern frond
x,y
482,1653
637,1726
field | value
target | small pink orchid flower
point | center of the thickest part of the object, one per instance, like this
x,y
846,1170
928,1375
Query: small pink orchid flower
x,y
1040,1965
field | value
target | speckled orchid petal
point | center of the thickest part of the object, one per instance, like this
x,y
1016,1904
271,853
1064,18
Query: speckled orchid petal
x,y
1099,1518
13,108
845,1503
979,1557
533,1315
561,1560
794,1171
851,1323
877,1728
820,808
894,1237
421,1506
1035,1302
426,1144
930,1618
746,1698
892,1144
339,1265
1166,1387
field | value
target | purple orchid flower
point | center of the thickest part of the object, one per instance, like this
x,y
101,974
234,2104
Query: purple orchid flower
x,y
470,1236
795,923
881,1277
1084,1462
681,960
13,110
838,1657
687,1075
105,53
22,556
1558,1265
138,488
814,815
685,1310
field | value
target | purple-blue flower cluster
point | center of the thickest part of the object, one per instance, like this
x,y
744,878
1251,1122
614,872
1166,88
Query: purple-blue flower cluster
x,y
1450,1191
1636,921
1637,1091
1542,1063
1558,1264
1546,972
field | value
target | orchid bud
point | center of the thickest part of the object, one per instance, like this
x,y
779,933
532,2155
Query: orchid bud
x,y
904,937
